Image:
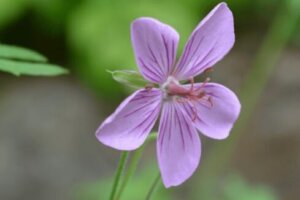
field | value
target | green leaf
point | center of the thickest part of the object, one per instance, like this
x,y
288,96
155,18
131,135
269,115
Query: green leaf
x,y
35,69
20,53
129,77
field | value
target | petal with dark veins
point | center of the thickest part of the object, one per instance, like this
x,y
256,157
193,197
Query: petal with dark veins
x,y
128,127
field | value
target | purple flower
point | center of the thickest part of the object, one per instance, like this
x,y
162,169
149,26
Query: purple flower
x,y
207,107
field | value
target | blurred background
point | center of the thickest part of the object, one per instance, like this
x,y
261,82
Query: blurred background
x,y
48,149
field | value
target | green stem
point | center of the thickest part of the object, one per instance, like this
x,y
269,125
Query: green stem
x,y
152,136
153,187
117,192
263,67
120,170
130,170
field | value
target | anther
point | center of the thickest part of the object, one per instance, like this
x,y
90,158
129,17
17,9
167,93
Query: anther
x,y
203,84
208,70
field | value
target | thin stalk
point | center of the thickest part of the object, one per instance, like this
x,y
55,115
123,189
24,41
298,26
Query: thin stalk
x,y
152,136
120,171
130,170
265,62
153,187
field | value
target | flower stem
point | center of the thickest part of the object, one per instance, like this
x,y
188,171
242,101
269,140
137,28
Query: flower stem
x,y
152,136
153,187
130,170
120,170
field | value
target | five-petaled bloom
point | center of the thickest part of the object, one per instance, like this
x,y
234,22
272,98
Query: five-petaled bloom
x,y
208,107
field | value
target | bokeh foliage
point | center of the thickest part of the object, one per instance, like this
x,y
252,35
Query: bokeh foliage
x,y
97,34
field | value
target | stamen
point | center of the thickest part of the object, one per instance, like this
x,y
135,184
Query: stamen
x,y
210,101
194,110
181,100
192,96
201,94
192,84
208,70
203,84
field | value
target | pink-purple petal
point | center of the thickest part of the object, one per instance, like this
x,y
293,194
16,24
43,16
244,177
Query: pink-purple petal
x,y
128,127
210,42
155,45
215,117
178,145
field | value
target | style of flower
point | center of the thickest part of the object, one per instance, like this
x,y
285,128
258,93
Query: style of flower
x,y
207,107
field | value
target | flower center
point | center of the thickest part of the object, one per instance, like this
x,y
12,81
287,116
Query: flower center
x,y
172,88
191,94
169,85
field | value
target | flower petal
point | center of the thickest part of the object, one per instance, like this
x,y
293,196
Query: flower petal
x,y
155,46
128,127
210,42
178,145
215,113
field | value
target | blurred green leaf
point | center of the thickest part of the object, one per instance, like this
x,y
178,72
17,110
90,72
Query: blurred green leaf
x,y
50,15
35,69
20,53
129,77
11,10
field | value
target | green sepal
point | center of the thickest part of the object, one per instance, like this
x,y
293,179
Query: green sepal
x,y
129,77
